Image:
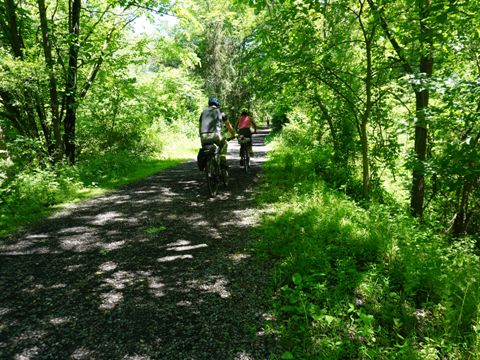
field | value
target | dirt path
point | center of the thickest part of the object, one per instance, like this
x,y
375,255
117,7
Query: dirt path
x,y
155,270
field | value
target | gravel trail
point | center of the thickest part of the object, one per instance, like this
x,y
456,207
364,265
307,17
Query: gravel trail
x,y
154,270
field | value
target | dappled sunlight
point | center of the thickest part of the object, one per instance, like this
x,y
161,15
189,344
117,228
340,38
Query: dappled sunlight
x,y
80,242
108,266
146,192
61,320
184,303
119,281
168,192
112,245
186,248
30,244
109,216
174,257
40,287
75,230
136,357
243,356
82,353
147,265
4,311
240,218
214,285
238,257
27,354
110,299
73,267
156,287
178,243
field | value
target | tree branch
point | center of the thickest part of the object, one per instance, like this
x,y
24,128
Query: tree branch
x,y
398,49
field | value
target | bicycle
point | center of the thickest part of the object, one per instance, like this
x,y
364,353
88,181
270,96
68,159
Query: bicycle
x,y
244,152
215,170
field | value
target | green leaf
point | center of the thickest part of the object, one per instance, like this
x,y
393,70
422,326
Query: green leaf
x,y
155,229
297,279
329,319
287,355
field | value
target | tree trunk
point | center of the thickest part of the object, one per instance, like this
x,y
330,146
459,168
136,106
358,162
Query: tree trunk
x,y
421,111
365,160
461,219
368,37
421,97
54,104
16,40
71,84
421,132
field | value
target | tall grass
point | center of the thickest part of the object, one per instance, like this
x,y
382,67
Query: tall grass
x,y
35,192
356,283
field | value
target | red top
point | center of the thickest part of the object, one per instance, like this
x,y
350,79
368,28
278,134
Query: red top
x,y
244,122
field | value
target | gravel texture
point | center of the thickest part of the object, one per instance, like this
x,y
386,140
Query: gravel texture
x,y
155,270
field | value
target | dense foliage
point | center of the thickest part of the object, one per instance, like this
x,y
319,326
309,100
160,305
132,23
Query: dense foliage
x,y
384,83
351,282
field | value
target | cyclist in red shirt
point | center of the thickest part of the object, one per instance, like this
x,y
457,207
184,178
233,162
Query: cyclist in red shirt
x,y
244,123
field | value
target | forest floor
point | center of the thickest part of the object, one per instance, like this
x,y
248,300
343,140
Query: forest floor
x,y
154,270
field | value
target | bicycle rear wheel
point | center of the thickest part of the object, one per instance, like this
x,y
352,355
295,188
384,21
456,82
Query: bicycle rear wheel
x,y
212,179
245,157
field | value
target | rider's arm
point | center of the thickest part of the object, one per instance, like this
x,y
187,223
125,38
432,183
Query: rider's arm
x,y
229,128
254,124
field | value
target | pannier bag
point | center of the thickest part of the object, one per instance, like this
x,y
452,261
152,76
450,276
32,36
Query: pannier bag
x,y
201,159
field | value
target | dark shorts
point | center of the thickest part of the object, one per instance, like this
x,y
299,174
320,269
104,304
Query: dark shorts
x,y
245,132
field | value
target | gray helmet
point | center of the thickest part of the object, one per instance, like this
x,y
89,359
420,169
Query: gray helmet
x,y
213,101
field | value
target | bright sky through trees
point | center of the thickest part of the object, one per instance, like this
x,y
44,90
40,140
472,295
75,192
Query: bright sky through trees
x,y
144,25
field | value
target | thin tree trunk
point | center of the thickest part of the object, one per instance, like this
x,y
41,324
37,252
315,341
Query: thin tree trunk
x,y
421,133
71,84
45,127
460,223
422,104
54,103
368,37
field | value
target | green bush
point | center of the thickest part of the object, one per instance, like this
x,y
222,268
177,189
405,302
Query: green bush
x,y
351,282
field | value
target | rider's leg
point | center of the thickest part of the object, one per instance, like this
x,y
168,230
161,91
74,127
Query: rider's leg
x,y
223,152
222,144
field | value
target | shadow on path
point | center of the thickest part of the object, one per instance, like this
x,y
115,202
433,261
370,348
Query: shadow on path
x,y
155,270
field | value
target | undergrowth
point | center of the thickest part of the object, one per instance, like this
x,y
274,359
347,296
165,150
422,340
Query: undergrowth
x,y
361,283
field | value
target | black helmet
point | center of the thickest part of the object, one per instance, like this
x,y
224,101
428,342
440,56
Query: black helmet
x,y
214,101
